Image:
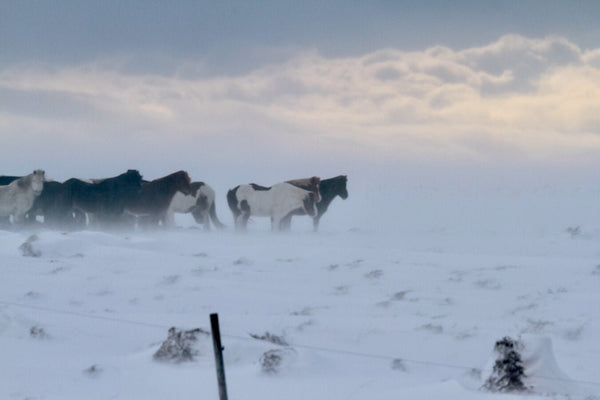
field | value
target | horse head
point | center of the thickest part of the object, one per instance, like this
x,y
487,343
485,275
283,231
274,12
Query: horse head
x,y
133,177
195,187
37,181
343,190
183,182
310,204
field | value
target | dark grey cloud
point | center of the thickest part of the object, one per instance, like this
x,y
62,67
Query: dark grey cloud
x,y
236,36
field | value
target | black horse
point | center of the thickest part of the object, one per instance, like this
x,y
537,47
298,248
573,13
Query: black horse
x,y
329,188
6,179
56,205
104,198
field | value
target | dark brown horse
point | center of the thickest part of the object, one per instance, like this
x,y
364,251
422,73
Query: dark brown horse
x,y
153,200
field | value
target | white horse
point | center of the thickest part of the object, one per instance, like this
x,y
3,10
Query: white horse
x,y
201,203
17,197
277,202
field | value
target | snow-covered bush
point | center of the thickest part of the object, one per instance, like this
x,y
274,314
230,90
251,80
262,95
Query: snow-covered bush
x,y
179,346
28,249
508,372
277,360
268,337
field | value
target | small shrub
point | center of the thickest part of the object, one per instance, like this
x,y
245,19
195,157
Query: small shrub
x,y
275,361
508,372
93,371
38,333
267,337
270,361
574,231
398,364
179,346
27,248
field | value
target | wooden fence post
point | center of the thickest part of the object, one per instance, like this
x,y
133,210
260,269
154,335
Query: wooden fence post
x,y
216,337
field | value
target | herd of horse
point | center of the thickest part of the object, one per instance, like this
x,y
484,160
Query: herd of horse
x,y
127,200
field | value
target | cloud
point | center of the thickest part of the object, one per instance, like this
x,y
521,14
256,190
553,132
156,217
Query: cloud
x,y
514,99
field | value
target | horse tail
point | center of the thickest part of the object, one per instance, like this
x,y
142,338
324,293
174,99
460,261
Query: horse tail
x,y
232,201
213,215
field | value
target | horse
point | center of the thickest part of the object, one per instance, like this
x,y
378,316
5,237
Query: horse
x,y
200,202
56,206
154,198
106,198
18,196
5,180
277,202
329,189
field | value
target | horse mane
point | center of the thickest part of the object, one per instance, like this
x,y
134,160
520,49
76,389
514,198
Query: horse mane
x,y
305,183
335,180
259,187
24,182
133,174
311,184
195,187
172,176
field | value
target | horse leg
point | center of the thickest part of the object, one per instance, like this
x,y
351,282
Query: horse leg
x,y
277,223
286,223
4,221
241,222
169,219
316,223
206,220
244,215
237,221
201,216
161,220
202,205
18,218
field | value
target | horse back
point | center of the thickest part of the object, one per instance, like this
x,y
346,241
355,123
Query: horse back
x,y
107,196
280,198
6,180
155,196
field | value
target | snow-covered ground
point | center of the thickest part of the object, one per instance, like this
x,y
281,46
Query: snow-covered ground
x,y
401,295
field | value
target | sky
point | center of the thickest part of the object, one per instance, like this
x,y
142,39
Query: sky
x,y
274,88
